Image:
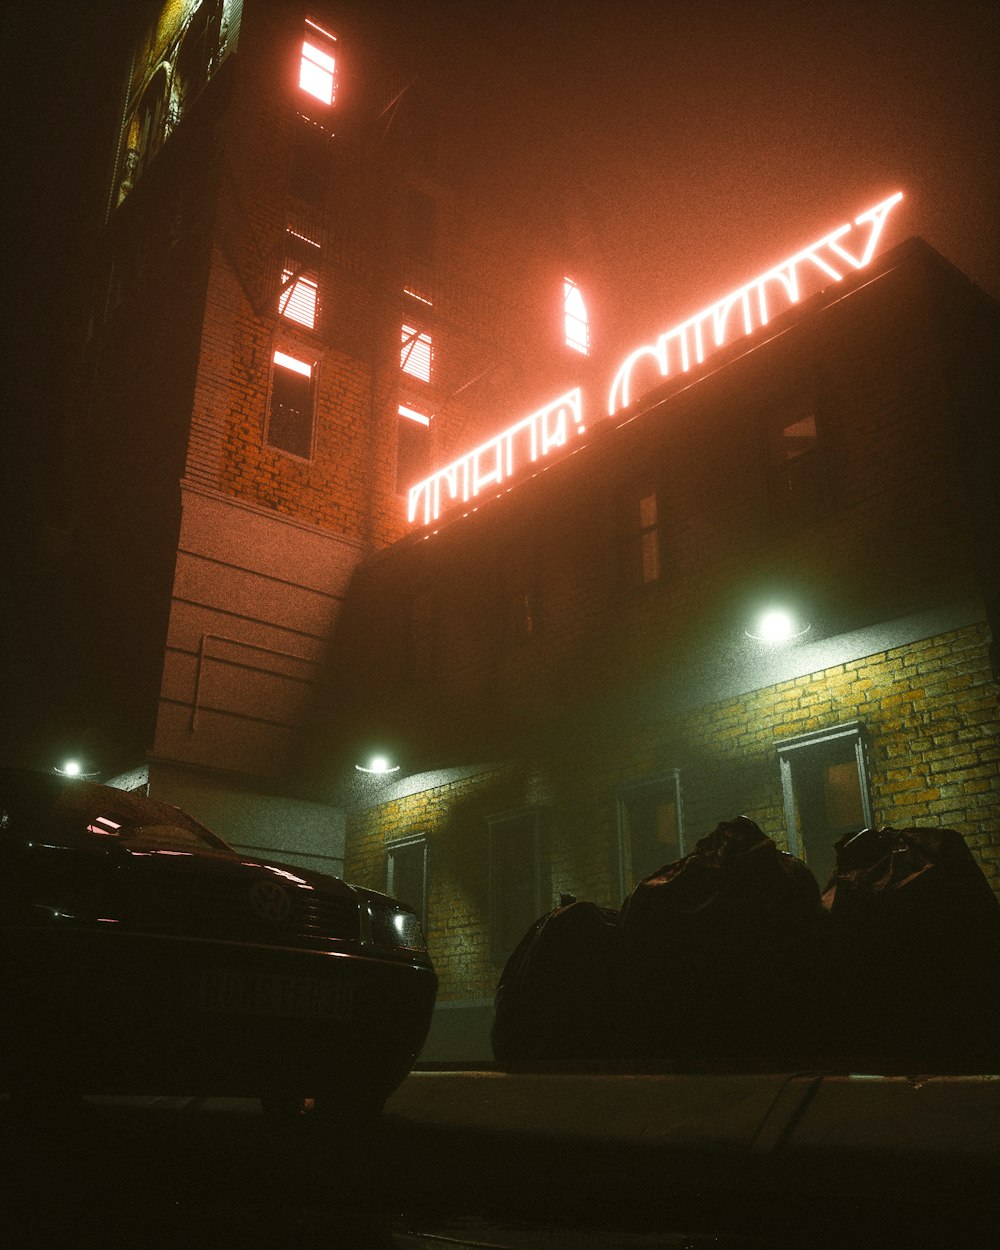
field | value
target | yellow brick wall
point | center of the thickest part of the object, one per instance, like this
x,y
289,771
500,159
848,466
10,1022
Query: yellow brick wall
x,y
931,709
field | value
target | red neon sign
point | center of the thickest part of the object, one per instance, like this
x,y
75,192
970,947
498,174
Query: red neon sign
x,y
689,342
491,463
692,340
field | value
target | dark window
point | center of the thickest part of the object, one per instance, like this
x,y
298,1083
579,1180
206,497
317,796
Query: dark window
x,y
197,51
650,827
824,777
520,600
413,433
422,635
639,536
514,880
521,615
290,418
798,466
406,874
421,225
420,128
153,119
307,178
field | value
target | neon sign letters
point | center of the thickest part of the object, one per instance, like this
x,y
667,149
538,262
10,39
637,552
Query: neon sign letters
x,y
493,462
687,340
687,343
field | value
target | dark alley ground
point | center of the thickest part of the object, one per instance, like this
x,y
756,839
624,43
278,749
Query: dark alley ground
x,y
492,1159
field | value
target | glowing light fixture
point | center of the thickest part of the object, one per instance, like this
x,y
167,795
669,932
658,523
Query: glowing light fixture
x,y
378,766
776,626
73,768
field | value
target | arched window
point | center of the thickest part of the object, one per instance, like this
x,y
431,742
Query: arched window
x,y
577,329
152,116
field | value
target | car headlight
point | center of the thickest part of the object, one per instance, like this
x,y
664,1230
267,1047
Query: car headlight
x,y
392,925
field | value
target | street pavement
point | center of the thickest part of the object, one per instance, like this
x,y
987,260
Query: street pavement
x,y
519,1161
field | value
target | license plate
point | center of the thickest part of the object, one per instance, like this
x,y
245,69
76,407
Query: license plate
x,y
224,992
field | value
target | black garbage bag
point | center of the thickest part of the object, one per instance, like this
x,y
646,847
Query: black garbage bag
x,y
719,956
552,1001
915,945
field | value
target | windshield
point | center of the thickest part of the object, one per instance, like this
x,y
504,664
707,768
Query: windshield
x,y
41,807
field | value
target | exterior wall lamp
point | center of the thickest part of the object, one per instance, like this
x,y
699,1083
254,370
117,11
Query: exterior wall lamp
x,y
72,768
377,766
777,626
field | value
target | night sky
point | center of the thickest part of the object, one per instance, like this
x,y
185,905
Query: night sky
x,y
700,141
708,140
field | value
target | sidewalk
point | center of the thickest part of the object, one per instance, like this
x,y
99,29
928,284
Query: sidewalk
x,y
857,1159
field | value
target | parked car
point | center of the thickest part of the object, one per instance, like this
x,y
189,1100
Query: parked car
x,y
139,952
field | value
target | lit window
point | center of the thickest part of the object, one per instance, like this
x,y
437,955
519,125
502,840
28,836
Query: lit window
x,y
317,65
515,886
577,329
639,536
413,430
299,280
650,828
290,416
824,780
406,874
415,354
297,301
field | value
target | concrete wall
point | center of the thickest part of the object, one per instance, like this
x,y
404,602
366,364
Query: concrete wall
x,y
274,827
254,604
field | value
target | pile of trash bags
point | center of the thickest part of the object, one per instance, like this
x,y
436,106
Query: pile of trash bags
x,y
731,959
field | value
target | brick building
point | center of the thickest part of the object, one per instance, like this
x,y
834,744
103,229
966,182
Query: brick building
x,y
300,303
594,691
302,306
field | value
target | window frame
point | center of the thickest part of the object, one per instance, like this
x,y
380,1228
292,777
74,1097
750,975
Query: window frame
x,y
313,367
412,337
422,641
631,535
495,824
855,732
798,485
576,328
327,47
519,595
669,779
405,843
408,419
300,274
421,225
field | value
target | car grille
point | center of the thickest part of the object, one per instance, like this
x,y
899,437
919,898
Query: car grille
x,y
250,906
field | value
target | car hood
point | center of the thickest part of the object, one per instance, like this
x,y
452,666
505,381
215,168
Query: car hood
x,y
240,898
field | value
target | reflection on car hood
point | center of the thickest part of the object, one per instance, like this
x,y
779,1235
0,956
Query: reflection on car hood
x,y
242,898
